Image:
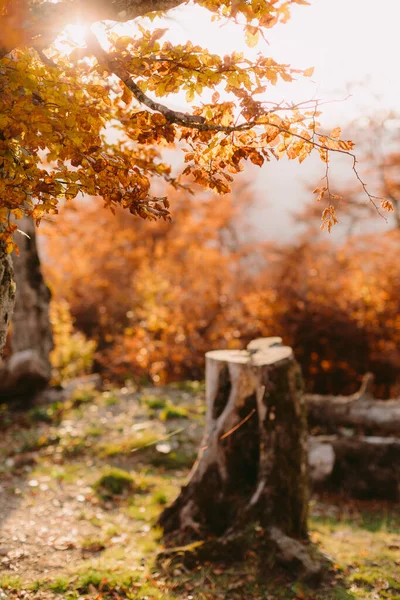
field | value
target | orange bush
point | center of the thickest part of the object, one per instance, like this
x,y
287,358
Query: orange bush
x,y
339,307
157,296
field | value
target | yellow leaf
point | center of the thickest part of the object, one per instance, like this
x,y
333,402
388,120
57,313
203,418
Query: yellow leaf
x,y
335,133
70,120
252,38
189,95
308,72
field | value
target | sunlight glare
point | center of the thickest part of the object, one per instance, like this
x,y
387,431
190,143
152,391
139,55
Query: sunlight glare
x,y
75,34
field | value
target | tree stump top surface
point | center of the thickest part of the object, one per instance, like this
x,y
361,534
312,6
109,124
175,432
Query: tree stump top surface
x,y
258,358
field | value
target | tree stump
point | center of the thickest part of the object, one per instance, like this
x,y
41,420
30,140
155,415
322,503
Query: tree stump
x,y
31,327
29,369
252,465
7,295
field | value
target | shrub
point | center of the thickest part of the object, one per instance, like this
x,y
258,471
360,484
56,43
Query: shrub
x,y
73,353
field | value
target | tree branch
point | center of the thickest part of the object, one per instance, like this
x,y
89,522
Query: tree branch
x,y
41,22
114,67
199,123
101,10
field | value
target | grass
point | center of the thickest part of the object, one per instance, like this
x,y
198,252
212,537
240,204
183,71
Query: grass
x,y
141,439
135,467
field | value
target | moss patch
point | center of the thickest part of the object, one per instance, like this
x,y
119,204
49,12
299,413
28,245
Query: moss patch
x,y
114,482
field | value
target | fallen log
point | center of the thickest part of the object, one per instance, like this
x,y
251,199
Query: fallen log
x,y
360,411
362,467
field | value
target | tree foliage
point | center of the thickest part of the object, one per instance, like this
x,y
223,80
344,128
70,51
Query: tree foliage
x,y
57,110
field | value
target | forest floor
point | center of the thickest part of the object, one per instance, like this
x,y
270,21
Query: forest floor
x,y
82,483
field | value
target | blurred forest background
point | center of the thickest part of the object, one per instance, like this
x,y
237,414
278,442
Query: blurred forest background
x,y
143,301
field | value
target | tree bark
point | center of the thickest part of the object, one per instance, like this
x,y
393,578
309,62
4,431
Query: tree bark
x,y
252,466
7,297
363,467
29,368
361,411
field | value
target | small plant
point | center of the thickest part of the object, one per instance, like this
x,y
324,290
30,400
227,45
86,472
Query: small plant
x,y
93,431
46,414
83,395
160,498
110,399
92,545
154,402
114,483
73,447
173,412
10,582
59,585
141,439
30,441
105,581
73,353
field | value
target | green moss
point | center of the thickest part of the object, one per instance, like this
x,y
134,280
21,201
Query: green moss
x,y
83,395
105,580
93,544
46,414
154,402
110,398
59,585
10,582
160,498
94,431
173,412
114,482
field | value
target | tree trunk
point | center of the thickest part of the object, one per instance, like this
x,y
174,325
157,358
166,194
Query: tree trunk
x,y
360,411
363,467
7,296
29,368
252,465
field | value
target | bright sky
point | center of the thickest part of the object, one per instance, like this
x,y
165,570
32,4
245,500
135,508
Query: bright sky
x,y
347,41
353,45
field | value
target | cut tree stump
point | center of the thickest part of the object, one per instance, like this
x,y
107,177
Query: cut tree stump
x,y
252,465
361,412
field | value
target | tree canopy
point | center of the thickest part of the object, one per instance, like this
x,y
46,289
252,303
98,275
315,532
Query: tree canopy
x,y
57,109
